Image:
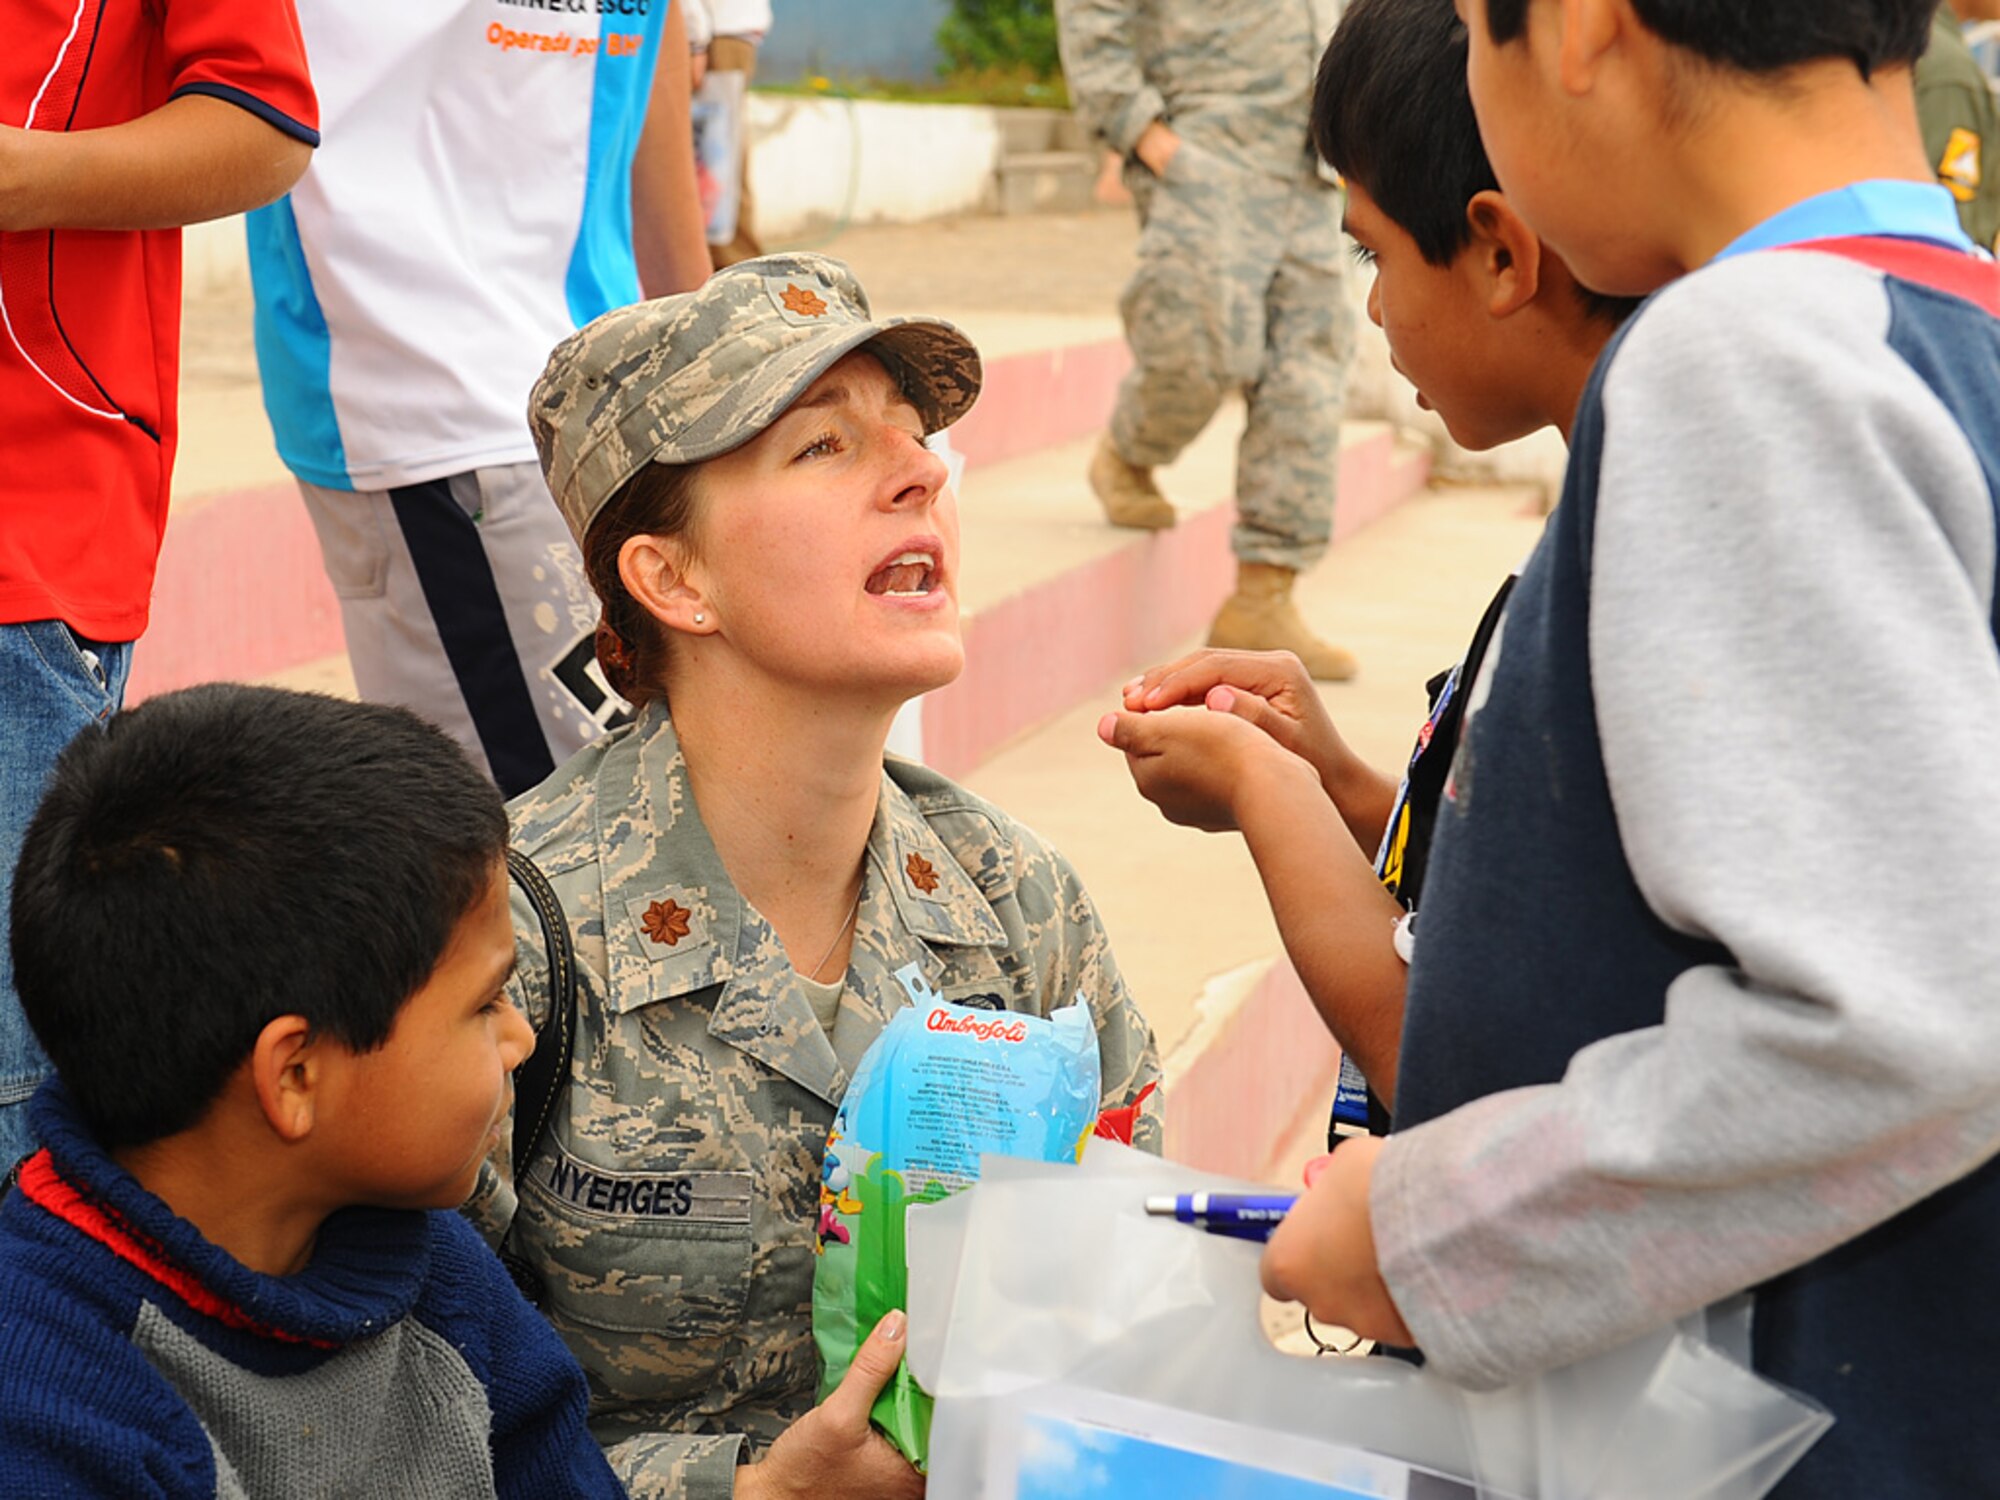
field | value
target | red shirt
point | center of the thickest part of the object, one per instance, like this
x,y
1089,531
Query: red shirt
x,y
90,319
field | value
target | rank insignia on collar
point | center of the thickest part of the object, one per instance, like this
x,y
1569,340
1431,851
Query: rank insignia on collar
x,y
922,873
667,922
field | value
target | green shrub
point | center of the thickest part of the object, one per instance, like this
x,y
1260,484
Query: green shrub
x,y
1001,37
1012,86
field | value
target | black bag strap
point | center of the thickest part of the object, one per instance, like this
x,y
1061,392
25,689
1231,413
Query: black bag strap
x,y
1433,768
539,1080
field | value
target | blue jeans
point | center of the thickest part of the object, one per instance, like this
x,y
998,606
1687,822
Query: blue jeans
x,y
52,684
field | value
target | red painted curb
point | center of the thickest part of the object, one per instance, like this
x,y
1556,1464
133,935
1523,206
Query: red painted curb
x,y
1042,399
1039,653
240,594
1247,1094
1036,654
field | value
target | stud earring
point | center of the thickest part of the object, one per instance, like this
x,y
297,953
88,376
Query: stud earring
x,y
700,619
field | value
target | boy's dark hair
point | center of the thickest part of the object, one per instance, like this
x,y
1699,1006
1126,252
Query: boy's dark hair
x,y
1391,112
1770,35
219,857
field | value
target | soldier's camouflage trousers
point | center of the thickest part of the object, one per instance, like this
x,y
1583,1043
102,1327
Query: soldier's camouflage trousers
x,y
1238,288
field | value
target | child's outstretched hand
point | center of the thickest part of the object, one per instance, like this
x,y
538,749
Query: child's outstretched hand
x,y
1198,766
1270,689
1323,1254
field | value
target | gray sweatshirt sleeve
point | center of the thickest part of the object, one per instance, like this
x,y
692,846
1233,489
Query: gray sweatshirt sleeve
x,y
1797,685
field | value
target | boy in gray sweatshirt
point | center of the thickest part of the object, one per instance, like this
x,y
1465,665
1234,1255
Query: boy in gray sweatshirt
x,y
1705,995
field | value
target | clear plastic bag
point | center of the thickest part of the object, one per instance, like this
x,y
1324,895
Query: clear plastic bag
x,y
1056,1324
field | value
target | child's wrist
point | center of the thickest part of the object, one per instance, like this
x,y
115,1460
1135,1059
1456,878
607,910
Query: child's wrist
x,y
1340,770
1356,788
1271,782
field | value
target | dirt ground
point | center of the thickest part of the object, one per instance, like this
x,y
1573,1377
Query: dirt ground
x,y
1043,263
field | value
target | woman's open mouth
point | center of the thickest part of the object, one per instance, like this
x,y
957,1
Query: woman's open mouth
x,y
908,575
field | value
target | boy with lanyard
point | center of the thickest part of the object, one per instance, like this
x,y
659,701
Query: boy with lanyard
x,y
265,938
1499,339
1682,1024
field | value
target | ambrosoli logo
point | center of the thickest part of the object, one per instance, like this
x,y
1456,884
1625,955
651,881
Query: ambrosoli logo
x,y
1014,1030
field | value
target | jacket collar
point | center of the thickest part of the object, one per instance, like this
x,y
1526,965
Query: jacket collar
x,y
368,1266
674,923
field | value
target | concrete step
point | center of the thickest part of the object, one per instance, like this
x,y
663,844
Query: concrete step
x,y
1249,1065
1028,130
1040,182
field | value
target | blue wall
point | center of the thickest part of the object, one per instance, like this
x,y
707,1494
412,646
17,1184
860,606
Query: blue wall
x,y
889,39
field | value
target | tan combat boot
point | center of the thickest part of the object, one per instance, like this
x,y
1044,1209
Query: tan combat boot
x,y
1260,616
1127,492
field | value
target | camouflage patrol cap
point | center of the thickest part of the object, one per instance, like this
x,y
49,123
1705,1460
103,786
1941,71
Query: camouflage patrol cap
x,y
686,378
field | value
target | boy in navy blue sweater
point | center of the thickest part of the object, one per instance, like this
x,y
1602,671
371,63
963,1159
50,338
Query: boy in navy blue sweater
x,y
1705,996
263,937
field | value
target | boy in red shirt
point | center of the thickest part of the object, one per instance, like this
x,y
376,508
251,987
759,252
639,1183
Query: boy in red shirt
x,y
138,119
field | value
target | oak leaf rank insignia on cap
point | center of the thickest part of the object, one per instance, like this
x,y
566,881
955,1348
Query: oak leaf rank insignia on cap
x,y
799,304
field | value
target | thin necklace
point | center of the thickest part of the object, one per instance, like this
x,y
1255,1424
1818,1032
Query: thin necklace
x,y
839,932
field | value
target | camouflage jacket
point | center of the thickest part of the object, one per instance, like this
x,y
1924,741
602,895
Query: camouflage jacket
x,y
1236,79
672,1207
1961,128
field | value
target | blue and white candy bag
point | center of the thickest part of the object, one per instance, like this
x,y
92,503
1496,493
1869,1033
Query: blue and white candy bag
x,y
942,1085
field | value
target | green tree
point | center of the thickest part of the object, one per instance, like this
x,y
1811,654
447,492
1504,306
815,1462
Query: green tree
x,y
1001,36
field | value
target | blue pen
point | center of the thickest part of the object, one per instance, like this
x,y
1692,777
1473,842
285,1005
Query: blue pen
x,y
1241,1216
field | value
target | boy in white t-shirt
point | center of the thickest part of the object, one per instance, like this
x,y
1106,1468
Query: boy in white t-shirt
x,y
494,178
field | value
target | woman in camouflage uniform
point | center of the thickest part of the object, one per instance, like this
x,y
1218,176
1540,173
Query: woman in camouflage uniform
x,y
751,888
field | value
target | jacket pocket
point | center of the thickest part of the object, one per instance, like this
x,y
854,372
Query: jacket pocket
x,y
658,1253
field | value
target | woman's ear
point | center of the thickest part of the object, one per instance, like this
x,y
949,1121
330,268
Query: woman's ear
x,y
655,572
1506,253
288,1072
